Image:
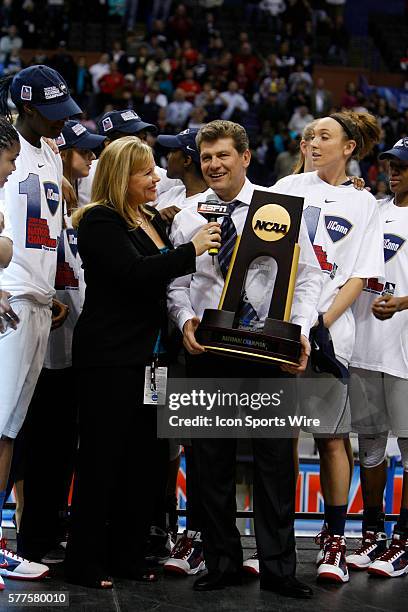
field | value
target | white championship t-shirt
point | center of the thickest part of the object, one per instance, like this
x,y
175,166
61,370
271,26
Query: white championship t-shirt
x,y
6,233
383,345
345,229
33,200
70,289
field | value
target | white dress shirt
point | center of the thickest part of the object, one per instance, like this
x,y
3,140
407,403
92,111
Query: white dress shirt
x,y
188,296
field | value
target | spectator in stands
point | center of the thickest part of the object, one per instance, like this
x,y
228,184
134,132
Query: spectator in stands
x,y
189,53
10,42
142,56
285,162
349,98
285,59
198,117
299,120
245,86
111,85
178,111
98,70
251,62
234,102
299,75
119,56
321,99
180,25
83,82
13,62
213,106
271,112
190,86
339,39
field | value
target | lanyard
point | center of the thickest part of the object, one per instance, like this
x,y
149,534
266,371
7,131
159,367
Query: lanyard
x,y
154,364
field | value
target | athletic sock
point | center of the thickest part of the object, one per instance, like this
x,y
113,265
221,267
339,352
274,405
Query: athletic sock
x,y
2,502
373,519
336,519
402,524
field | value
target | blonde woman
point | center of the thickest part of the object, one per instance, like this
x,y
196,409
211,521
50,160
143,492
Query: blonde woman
x,y
128,261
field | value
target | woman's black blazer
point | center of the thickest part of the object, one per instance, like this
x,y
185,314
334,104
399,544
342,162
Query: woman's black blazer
x,y
126,279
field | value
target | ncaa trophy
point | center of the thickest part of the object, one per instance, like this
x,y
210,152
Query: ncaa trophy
x,y
271,229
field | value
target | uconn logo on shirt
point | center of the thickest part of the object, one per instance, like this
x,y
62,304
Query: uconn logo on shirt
x,y
337,227
392,245
52,196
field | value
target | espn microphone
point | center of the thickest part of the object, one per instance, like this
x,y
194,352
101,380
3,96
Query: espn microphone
x,y
211,209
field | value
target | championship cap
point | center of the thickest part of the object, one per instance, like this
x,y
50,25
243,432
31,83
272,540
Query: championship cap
x,y
44,89
74,134
184,140
126,121
399,150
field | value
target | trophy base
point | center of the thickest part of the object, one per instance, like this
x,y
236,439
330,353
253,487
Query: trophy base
x,y
279,341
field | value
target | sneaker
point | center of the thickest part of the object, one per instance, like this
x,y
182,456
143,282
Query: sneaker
x,y
2,585
56,555
394,561
334,566
159,547
372,546
14,566
321,540
187,556
251,565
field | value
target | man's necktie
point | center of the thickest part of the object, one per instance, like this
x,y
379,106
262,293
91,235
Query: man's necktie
x,y
246,312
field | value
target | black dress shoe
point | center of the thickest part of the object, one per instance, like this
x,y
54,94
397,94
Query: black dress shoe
x,y
288,587
217,580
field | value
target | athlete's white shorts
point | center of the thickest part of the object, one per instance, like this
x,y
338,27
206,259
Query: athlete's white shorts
x,y
22,353
325,398
379,403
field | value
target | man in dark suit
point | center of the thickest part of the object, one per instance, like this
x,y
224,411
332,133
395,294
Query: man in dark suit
x,y
321,100
225,157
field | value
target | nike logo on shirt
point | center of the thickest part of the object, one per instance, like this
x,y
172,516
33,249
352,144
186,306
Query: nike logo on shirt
x,y
390,220
329,201
41,165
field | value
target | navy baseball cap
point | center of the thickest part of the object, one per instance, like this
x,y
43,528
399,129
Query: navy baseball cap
x,y
126,121
74,134
44,89
184,141
399,150
323,357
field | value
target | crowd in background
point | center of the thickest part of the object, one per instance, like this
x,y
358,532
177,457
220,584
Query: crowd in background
x,y
182,72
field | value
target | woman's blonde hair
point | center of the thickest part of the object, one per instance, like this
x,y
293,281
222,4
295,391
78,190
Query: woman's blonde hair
x,y
307,136
119,160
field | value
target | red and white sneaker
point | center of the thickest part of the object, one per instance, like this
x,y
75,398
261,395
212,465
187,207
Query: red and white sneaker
x,y
14,566
334,566
372,546
394,561
321,539
251,565
187,556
